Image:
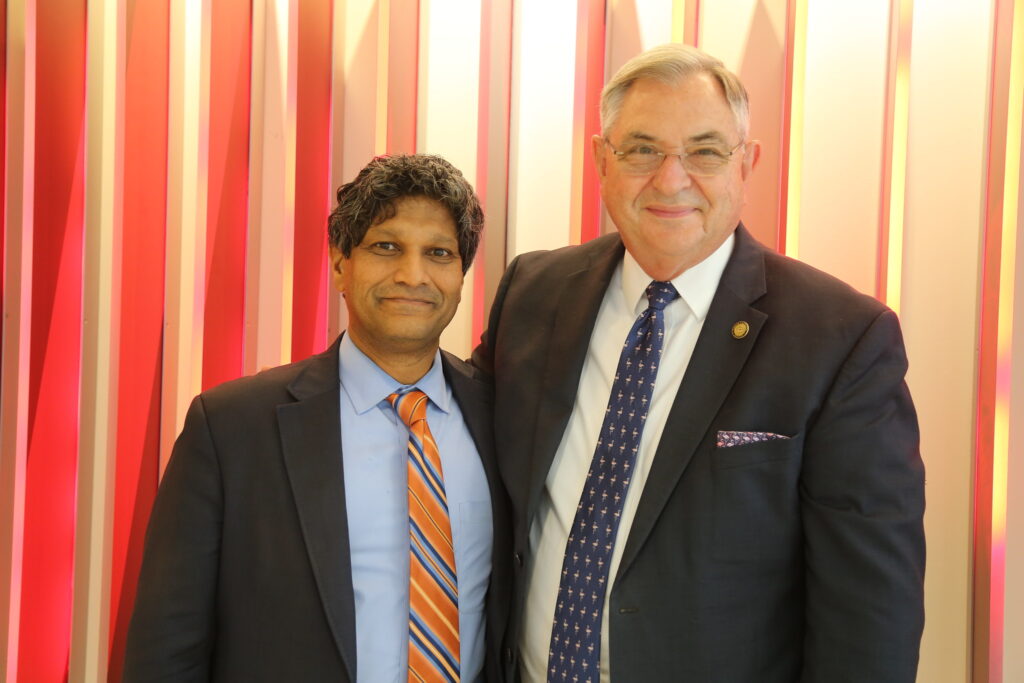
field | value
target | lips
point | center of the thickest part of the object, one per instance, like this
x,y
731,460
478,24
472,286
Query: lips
x,y
671,212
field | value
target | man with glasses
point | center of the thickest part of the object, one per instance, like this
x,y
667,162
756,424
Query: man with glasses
x,y
710,449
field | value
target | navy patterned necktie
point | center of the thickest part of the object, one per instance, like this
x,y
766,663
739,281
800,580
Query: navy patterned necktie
x,y
575,652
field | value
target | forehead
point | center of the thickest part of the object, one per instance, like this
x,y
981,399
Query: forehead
x,y
417,218
694,106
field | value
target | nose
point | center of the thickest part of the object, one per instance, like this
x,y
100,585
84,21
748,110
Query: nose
x,y
411,269
671,177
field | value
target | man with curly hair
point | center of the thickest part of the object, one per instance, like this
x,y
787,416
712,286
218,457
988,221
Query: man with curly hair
x,y
335,519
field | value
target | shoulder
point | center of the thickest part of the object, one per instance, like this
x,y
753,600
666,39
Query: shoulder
x,y
273,386
558,262
456,368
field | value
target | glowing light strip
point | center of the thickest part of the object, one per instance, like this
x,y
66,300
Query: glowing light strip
x,y
1004,339
584,211
101,304
894,174
793,152
17,327
685,21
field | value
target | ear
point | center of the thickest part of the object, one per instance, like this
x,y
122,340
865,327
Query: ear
x,y
600,152
338,265
751,156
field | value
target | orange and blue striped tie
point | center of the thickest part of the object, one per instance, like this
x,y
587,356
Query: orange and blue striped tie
x,y
433,589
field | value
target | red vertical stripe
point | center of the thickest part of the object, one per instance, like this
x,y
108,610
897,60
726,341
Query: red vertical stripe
x,y
593,82
312,178
51,472
142,302
228,192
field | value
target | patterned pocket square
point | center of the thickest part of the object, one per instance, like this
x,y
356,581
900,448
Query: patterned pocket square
x,y
730,439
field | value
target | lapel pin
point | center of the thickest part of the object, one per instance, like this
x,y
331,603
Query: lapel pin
x,y
740,329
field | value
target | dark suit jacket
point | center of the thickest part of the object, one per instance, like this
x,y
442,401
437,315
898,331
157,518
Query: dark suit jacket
x,y
246,574
788,560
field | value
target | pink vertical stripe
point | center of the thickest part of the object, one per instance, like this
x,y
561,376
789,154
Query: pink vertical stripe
x,y
228,191
492,153
51,473
403,71
142,300
592,82
988,548
312,179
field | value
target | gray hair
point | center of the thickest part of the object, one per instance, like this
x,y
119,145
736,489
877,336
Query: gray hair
x,y
370,199
670,64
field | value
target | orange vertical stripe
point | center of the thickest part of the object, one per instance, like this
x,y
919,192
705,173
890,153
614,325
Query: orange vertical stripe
x,y
56,342
142,301
989,563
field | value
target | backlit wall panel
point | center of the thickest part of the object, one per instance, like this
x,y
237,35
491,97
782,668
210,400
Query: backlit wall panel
x,y
185,245
847,44
940,302
751,38
541,136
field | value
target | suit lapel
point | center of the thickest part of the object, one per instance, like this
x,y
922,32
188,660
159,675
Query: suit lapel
x,y
717,361
311,444
579,302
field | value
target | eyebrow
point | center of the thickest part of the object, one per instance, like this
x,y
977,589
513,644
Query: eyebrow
x,y
707,136
385,235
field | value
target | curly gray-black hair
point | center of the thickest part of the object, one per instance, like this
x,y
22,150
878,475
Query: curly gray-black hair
x,y
370,199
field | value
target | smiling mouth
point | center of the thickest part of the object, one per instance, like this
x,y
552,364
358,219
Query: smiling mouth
x,y
408,302
671,211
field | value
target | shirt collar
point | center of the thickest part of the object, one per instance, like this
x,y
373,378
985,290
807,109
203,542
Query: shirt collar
x,y
696,285
367,384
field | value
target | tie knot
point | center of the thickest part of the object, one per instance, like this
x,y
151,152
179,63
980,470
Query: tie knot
x,y
410,405
659,294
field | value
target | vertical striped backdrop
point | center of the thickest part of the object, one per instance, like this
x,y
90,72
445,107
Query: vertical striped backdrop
x,y
169,166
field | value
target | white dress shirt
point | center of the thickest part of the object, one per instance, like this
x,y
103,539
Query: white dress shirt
x,y
623,302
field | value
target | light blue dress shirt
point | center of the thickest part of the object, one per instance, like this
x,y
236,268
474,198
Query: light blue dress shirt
x,y
373,443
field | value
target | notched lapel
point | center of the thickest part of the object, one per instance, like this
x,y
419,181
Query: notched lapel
x,y
311,444
578,305
717,360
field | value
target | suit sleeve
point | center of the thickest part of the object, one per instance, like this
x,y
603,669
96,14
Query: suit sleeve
x,y
862,503
171,635
483,354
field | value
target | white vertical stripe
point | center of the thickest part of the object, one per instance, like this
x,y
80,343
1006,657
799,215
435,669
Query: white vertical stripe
x,y
188,169
271,244
105,45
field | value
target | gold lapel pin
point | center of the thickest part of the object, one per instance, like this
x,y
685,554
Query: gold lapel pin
x,y
740,329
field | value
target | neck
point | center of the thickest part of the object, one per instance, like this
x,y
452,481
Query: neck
x,y
407,366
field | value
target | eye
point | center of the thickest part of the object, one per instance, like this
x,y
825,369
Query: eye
x,y
384,247
643,151
440,254
707,152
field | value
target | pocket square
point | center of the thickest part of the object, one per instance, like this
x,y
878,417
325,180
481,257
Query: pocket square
x,y
730,439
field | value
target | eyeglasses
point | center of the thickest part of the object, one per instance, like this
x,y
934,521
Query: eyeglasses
x,y
643,158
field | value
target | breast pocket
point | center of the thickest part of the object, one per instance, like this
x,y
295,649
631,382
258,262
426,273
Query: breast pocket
x,y
756,500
